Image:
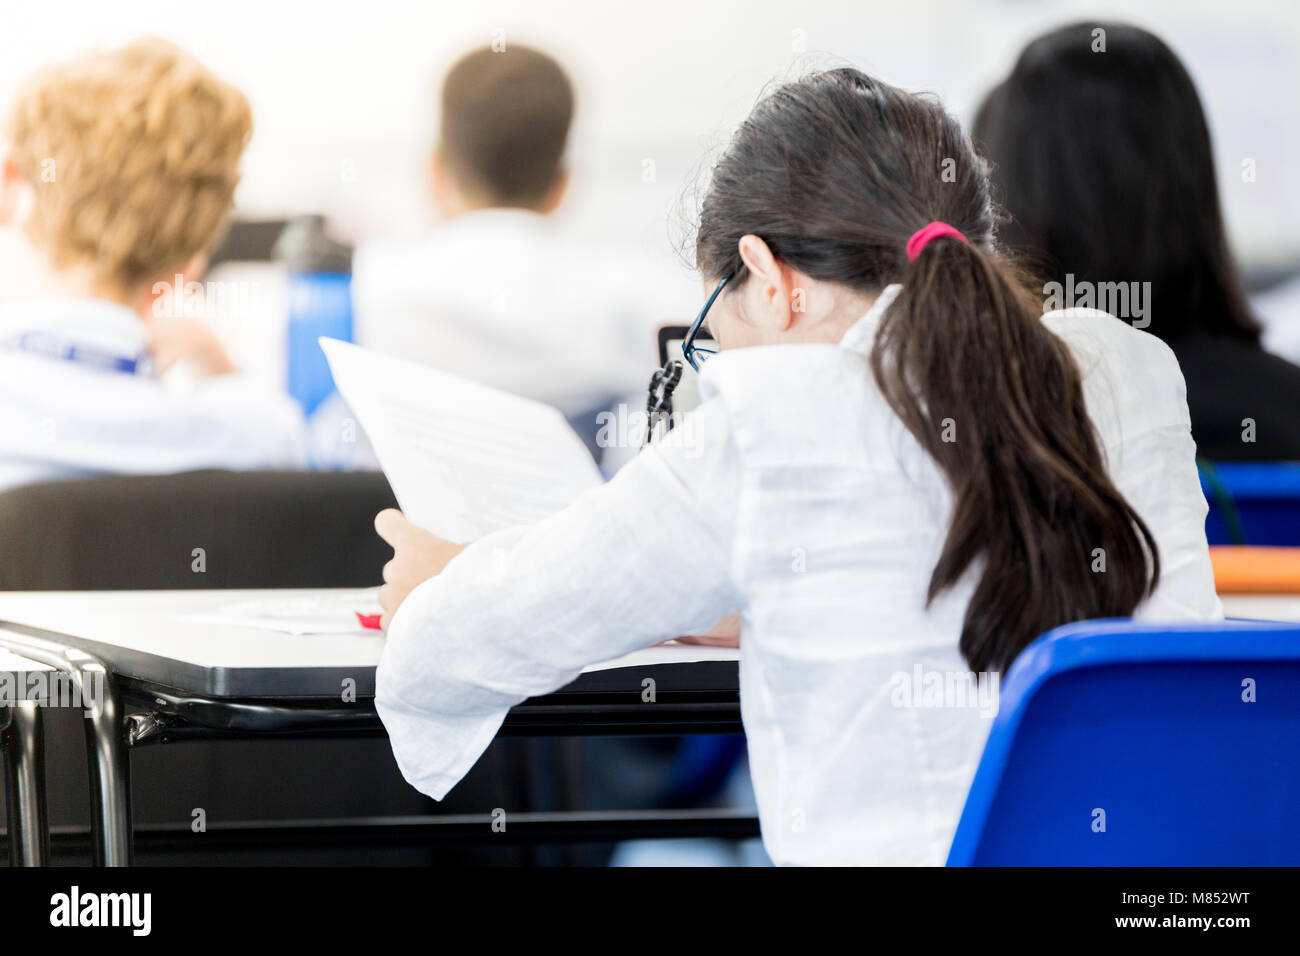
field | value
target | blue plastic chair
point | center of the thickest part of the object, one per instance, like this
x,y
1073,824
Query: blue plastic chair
x,y
1252,503
1147,725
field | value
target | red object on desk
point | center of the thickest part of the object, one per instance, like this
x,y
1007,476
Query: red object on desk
x,y
371,621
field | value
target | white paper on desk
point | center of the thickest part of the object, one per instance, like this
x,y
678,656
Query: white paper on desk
x,y
332,612
463,459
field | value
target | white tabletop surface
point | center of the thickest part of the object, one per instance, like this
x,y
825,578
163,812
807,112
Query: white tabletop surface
x,y
163,623
179,638
184,627
1265,607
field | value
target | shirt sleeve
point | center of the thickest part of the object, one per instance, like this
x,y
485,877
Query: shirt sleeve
x,y
1163,485
522,611
237,422
1137,400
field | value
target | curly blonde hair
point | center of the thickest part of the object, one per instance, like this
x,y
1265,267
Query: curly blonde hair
x,y
133,156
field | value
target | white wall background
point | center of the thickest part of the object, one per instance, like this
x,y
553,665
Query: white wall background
x,y
343,90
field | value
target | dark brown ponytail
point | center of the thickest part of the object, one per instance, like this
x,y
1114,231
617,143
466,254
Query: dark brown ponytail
x,y
835,172
996,399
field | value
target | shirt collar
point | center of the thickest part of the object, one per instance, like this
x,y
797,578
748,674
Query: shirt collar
x,y
96,323
862,334
496,219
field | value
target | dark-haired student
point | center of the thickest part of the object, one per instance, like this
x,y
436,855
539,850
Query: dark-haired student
x,y
900,468
1101,156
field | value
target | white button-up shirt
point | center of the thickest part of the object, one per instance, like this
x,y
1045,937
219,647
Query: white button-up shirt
x,y
797,496
66,419
511,299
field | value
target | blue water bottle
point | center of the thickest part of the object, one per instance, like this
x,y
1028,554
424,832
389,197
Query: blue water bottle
x,y
320,304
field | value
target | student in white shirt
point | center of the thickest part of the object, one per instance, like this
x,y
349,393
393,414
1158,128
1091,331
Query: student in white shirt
x,y
117,172
899,466
500,291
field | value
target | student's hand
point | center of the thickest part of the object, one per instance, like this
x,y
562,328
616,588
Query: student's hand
x,y
726,633
172,339
417,556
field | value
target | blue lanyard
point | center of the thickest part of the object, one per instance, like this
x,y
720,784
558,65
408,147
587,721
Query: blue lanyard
x,y
48,346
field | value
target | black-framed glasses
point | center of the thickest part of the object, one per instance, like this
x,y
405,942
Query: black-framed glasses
x,y
659,404
690,351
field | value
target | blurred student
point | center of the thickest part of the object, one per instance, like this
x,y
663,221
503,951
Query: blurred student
x,y
900,465
1102,158
117,174
499,291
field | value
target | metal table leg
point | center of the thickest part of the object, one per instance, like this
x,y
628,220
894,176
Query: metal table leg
x,y
109,758
24,747
109,761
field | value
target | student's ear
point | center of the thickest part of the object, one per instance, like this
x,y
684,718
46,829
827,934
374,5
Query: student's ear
x,y
14,193
559,189
772,281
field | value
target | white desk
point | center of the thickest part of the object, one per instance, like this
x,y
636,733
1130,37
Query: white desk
x,y
153,637
205,678
1264,607
211,678
150,636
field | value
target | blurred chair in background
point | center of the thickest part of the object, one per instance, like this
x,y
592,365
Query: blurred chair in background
x,y
1252,503
1253,527
257,529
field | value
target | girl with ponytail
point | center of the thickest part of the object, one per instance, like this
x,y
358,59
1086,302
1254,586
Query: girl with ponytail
x,y
901,474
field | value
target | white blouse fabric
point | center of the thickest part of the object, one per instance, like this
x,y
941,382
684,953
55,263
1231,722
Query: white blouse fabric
x,y
795,495
64,419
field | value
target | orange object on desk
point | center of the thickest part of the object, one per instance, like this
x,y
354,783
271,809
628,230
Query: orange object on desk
x,y
1247,570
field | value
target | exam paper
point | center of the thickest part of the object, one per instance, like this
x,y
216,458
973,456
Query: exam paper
x,y
463,459
329,612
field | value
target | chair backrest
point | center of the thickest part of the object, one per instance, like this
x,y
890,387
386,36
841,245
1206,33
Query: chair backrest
x,y
1123,744
199,529
1252,503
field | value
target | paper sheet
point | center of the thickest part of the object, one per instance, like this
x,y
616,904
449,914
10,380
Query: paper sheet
x,y
463,459
327,612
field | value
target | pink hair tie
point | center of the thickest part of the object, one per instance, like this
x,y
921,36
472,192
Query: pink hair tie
x,y
922,237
